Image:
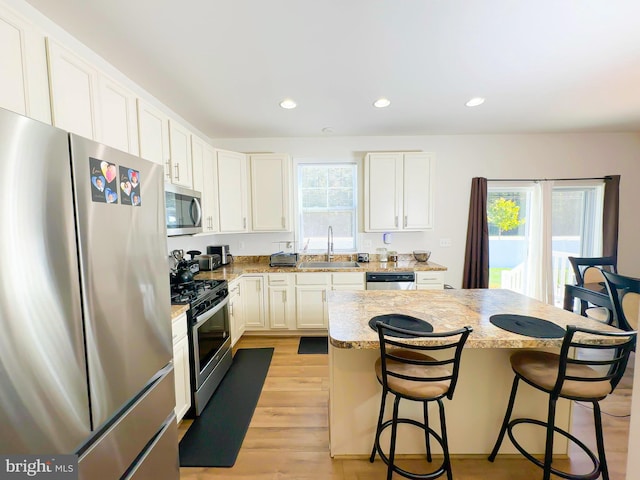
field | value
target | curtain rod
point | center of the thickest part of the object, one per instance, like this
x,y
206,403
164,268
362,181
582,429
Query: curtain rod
x,y
608,177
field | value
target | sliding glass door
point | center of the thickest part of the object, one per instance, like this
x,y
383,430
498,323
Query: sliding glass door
x,y
535,227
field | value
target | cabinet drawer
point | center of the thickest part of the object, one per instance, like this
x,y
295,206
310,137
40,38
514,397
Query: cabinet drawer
x,y
312,279
280,278
429,277
179,327
347,278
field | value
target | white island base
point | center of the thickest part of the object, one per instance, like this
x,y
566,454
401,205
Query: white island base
x,y
473,417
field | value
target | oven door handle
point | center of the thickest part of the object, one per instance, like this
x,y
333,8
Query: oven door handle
x,y
201,319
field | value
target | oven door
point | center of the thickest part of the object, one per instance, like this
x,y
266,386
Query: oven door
x,y
211,339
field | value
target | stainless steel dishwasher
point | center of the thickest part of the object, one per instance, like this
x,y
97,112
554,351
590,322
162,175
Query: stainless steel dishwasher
x,y
391,281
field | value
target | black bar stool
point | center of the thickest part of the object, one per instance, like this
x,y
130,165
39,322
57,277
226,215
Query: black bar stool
x,y
581,379
407,372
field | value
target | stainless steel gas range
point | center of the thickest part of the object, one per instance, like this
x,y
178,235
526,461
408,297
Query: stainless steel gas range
x,y
209,335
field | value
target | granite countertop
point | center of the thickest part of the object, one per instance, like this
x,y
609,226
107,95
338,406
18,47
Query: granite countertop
x,y
260,264
177,310
350,312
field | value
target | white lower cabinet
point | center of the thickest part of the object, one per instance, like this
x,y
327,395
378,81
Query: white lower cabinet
x,y
347,281
311,300
236,311
252,292
181,365
429,280
281,301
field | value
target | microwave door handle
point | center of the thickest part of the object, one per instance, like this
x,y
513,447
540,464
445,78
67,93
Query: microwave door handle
x,y
196,220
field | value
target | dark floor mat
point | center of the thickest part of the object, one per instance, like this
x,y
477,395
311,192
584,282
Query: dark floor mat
x,y
215,437
313,345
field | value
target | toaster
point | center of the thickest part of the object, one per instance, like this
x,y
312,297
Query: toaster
x,y
282,259
209,262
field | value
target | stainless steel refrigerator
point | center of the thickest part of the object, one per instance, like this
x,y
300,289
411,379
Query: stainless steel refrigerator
x,y
85,329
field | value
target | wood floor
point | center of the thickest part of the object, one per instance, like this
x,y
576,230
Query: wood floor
x,y
288,436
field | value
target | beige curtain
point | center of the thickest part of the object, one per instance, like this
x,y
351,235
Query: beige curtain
x,y
476,258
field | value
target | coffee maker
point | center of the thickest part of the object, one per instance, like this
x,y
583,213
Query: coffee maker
x,y
223,251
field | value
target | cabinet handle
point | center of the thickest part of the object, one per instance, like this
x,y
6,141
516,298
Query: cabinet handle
x,y
284,296
396,222
324,295
231,309
284,223
405,221
244,222
177,171
168,170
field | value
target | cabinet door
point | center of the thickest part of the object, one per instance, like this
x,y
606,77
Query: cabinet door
x,y
232,191
118,122
180,157
73,92
153,135
181,365
203,158
382,192
417,191
181,375
24,83
279,307
270,192
311,306
253,300
236,312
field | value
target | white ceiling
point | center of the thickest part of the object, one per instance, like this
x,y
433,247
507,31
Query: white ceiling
x,y
224,66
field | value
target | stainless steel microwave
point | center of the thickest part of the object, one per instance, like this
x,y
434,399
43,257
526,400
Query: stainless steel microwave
x,y
183,210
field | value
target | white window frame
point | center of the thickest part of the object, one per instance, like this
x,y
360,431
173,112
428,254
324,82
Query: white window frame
x,y
299,240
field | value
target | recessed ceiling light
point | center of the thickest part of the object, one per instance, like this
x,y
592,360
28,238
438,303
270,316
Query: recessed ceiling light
x,y
288,104
474,102
327,130
382,103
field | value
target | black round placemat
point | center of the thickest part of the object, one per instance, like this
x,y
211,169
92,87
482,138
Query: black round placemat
x,y
405,322
529,326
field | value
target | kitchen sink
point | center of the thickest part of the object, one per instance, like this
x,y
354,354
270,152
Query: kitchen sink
x,y
329,265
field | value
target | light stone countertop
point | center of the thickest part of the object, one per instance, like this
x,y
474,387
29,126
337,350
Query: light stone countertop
x,y
177,310
260,264
350,312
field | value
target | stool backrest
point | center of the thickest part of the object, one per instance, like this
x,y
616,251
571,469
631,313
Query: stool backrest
x,y
610,366
624,293
584,268
451,342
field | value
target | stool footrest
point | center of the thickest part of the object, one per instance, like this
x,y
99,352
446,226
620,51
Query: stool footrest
x,y
415,476
595,473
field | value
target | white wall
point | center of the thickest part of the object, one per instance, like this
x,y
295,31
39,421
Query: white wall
x,y
458,159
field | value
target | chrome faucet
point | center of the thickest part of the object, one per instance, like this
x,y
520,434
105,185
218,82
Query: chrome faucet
x,y
330,244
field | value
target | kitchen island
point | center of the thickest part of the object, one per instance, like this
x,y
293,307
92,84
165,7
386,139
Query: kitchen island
x,y
477,409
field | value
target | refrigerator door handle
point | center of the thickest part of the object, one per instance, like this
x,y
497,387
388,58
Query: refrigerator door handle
x,y
195,205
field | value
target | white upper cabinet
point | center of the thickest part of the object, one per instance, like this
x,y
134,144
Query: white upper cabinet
x,y
24,82
232,191
204,181
153,136
398,191
180,148
87,102
118,119
73,85
270,192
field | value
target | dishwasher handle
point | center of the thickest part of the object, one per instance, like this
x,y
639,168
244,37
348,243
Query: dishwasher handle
x,y
379,277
